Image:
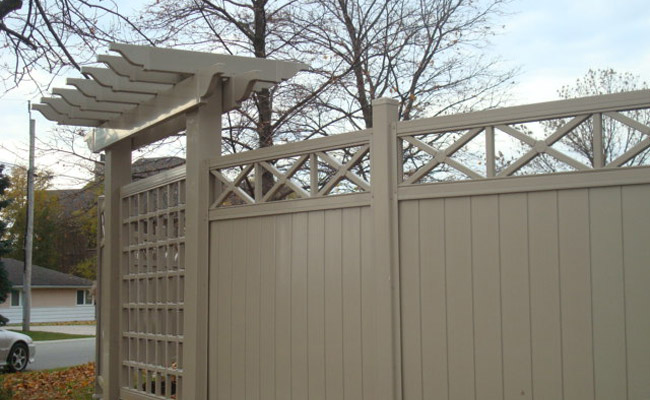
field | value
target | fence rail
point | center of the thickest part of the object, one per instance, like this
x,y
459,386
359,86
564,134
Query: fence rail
x,y
607,131
315,168
528,113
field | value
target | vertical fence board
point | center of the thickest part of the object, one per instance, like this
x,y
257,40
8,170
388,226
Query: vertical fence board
x,y
460,322
487,297
411,307
368,306
267,309
515,308
316,303
223,242
283,307
299,306
573,210
253,286
333,306
636,233
608,293
545,295
434,300
238,335
353,384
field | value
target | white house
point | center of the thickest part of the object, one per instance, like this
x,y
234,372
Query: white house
x,y
56,296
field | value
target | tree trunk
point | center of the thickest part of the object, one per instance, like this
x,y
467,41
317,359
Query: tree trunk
x,y
263,98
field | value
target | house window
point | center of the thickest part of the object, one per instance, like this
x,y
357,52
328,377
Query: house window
x,y
15,298
84,297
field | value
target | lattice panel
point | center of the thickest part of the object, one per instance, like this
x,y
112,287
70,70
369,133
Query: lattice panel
x,y
582,142
315,174
152,290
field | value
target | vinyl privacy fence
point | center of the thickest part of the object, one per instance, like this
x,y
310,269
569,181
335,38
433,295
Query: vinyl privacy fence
x,y
409,261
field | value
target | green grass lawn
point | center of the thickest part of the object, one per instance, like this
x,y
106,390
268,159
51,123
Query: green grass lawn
x,y
19,324
38,336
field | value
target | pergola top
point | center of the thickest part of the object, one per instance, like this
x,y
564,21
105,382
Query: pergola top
x,y
146,91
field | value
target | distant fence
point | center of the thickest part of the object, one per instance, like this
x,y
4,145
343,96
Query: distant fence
x,y
52,314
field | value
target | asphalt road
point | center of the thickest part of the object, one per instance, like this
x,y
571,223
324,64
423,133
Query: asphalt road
x,y
63,353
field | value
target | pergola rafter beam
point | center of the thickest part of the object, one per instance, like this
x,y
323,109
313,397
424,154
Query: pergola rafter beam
x,y
50,113
110,79
64,108
136,73
189,62
145,92
93,89
77,99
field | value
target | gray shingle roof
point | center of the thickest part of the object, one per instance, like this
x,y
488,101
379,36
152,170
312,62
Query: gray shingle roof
x,y
146,167
42,276
74,200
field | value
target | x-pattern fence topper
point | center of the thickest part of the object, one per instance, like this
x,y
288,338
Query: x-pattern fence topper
x,y
311,164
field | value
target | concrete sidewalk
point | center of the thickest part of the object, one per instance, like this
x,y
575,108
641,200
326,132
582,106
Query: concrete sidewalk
x,y
69,329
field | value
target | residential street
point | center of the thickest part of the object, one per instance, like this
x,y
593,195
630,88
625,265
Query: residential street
x,y
63,353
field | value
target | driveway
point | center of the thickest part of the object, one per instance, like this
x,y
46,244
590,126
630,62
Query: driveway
x,y
63,353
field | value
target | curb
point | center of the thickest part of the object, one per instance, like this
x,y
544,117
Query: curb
x,y
63,340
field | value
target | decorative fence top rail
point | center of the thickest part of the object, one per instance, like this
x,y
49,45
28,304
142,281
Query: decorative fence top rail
x,y
315,168
528,113
151,182
598,132
606,131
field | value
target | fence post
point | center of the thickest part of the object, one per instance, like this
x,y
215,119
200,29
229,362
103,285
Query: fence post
x,y
99,368
383,157
117,174
203,144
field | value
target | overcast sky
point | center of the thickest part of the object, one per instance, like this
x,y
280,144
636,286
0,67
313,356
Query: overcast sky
x,y
555,42
552,42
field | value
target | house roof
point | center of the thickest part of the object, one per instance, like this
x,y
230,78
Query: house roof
x,y
145,167
74,200
41,276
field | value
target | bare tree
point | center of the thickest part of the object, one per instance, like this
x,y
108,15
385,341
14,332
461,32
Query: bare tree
x,y
425,53
54,36
256,28
261,29
618,138
421,52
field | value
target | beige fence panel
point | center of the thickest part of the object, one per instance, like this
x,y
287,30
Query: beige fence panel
x,y
525,286
293,306
292,275
529,295
298,294
153,270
